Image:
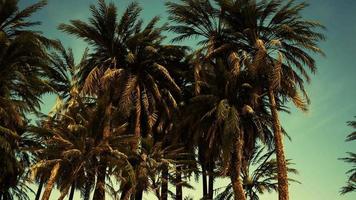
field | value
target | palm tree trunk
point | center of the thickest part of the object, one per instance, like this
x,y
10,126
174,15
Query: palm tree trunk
x,y
50,182
72,189
164,189
99,193
138,194
204,181
251,195
236,159
64,192
283,193
211,182
107,123
125,194
87,191
179,189
39,189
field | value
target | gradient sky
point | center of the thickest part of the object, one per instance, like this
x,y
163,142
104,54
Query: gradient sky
x,y
317,136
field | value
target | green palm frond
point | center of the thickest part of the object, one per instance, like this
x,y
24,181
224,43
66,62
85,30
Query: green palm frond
x,y
14,21
351,158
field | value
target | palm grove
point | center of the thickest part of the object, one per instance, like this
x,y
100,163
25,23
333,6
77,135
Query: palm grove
x,y
140,113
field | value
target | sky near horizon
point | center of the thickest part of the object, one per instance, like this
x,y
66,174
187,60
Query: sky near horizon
x,y
318,137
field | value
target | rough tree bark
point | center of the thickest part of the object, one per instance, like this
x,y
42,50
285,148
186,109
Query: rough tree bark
x,y
164,189
204,181
50,182
179,190
138,194
283,193
99,193
236,160
72,189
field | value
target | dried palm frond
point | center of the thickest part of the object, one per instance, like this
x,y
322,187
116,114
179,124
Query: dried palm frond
x,y
126,98
92,82
276,73
299,102
165,74
197,78
259,59
234,62
109,75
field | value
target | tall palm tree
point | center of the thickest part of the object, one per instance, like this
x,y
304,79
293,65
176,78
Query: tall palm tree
x,y
278,40
71,144
259,175
223,106
351,182
267,39
127,68
63,79
23,79
133,58
201,19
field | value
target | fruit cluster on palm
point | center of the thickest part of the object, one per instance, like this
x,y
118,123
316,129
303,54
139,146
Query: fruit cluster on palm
x,y
136,114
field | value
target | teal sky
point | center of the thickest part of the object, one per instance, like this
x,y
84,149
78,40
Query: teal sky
x,y
317,136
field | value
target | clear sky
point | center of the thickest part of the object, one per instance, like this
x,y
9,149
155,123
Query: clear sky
x,y
317,136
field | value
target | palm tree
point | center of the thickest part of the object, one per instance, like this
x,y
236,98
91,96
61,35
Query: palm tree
x,y
23,79
127,68
63,79
351,182
201,19
254,37
126,53
71,149
222,114
259,175
278,40
71,144
149,165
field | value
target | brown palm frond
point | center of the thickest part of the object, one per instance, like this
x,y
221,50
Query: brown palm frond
x,y
222,110
92,82
110,75
126,98
172,100
299,102
216,51
259,58
154,89
138,112
165,74
276,74
234,62
197,78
